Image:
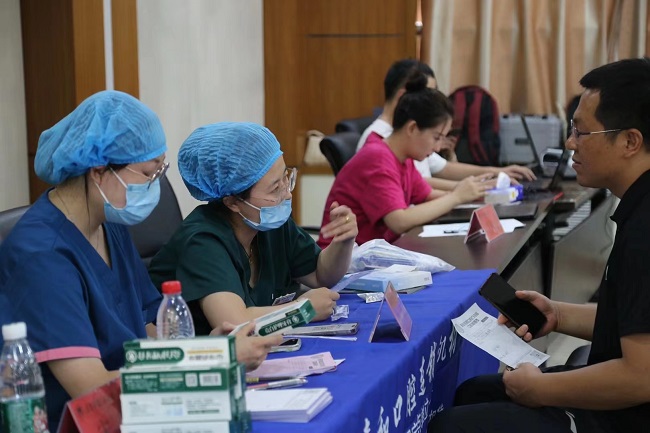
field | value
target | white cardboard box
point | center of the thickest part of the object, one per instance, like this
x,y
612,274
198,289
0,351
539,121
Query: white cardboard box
x,y
378,281
185,427
163,407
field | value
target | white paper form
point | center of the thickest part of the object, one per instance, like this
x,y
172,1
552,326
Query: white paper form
x,y
296,366
482,330
460,229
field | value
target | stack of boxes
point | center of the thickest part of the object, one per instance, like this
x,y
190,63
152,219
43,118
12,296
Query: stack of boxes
x,y
183,386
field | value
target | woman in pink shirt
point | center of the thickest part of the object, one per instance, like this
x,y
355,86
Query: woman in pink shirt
x,y
380,183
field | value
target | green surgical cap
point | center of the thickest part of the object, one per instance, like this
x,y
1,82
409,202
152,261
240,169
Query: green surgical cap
x,y
109,127
226,158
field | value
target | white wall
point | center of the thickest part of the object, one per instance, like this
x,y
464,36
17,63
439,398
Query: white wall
x,y
314,190
201,61
14,174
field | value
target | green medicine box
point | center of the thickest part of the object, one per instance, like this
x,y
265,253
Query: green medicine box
x,y
176,379
160,395
189,352
292,316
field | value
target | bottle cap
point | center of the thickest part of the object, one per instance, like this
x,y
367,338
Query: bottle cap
x,y
171,287
14,331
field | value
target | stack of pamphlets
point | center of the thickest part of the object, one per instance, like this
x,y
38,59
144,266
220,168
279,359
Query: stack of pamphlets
x,y
287,405
184,385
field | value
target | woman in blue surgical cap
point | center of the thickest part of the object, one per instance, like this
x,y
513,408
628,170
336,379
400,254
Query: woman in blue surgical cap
x,y
69,268
240,255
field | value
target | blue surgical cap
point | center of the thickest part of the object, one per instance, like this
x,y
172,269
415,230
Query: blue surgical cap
x,y
226,158
109,127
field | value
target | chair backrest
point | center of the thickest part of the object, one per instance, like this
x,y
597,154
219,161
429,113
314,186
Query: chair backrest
x,y
339,148
8,220
358,124
154,232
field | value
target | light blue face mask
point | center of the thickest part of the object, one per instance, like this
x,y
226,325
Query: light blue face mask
x,y
141,199
271,217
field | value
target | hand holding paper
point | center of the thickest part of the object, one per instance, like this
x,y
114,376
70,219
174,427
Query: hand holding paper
x,y
482,330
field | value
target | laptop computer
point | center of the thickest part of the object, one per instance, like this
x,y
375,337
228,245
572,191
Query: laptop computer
x,y
537,166
552,184
527,209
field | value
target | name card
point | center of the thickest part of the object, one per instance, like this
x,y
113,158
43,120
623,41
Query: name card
x,y
398,310
97,411
484,225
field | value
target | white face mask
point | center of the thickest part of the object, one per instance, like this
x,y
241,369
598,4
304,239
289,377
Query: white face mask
x,y
271,217
141,199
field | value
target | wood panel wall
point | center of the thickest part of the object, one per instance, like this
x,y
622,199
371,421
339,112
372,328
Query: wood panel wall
x,y
125,47
325,60
63,59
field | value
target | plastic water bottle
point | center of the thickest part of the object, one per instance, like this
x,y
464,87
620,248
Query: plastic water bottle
x,y
22,393
174,319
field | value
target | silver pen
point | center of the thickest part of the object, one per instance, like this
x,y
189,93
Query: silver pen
x,y
289,383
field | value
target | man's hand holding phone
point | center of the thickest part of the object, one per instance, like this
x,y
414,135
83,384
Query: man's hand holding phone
x,y
544,305
533,314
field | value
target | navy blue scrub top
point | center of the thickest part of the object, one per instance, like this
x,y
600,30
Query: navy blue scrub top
x,y
74,305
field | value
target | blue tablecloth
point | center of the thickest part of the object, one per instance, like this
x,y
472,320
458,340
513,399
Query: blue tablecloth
x,y
396,386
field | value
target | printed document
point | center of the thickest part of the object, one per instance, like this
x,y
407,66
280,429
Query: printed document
x,y
482,330
296,366
460,229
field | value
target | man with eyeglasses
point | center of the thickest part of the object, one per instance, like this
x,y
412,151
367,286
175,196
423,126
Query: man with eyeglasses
x,y
610,137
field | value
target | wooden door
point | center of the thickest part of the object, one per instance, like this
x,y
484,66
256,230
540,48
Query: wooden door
x,y
63,61
325,60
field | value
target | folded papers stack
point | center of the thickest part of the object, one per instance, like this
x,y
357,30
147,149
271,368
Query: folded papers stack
x,y
287,405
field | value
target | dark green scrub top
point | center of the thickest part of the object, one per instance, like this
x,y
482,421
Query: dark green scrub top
x,y
206,258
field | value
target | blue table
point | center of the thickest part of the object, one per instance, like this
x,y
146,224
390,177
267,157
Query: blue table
x,y
397,386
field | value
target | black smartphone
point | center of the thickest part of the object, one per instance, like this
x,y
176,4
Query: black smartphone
x,y
290,345
502,295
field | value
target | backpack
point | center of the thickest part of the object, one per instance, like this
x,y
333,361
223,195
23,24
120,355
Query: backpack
x,y
476,115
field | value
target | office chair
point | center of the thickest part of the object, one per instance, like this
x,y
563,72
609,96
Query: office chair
x,y
154,232
358,124
8,220
579,356
339,148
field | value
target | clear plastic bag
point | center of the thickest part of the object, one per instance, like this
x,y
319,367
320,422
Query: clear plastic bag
x,y
378,253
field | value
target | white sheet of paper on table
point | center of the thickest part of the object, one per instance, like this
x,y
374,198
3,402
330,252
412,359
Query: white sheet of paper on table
x,y
482,330
460,229
296,366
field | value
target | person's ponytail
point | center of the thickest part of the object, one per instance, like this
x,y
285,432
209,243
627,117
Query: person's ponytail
x,y
427,107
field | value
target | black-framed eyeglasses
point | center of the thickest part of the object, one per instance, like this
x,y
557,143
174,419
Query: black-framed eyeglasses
x,y
156,175
577,134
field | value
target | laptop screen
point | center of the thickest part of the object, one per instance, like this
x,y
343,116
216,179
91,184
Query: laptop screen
x,y
531,142
559,170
